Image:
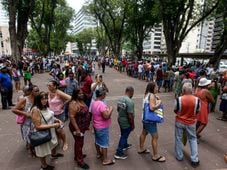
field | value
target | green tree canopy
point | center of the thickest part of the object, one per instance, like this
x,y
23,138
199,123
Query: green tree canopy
x,y
179,17
139,22
84,41
111,14
50,22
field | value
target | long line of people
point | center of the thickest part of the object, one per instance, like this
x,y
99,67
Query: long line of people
x,y
81,99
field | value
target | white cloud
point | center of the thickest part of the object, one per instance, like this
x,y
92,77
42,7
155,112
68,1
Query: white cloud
x,y
75,4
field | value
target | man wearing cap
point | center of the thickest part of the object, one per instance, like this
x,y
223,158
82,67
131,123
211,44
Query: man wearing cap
x,y
6,87
205,97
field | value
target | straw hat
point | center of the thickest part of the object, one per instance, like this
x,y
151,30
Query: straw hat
x,y
204,82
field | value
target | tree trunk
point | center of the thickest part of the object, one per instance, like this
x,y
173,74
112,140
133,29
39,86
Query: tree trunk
x,y
140,45
12,8
172,52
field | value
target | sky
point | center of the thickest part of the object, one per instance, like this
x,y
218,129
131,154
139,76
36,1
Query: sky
x,y
76,4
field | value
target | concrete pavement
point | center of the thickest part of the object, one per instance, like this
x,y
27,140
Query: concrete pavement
x,y
212,146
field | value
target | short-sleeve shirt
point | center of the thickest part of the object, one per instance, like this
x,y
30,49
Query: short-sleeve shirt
x,y
125,105
97,108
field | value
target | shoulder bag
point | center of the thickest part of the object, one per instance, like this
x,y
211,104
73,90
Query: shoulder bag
x,y
41,136
150,116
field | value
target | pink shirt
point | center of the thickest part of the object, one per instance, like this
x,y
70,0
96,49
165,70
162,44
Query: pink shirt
x,y
98,121
56,104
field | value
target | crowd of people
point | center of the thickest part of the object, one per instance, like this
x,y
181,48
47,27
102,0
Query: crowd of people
x,y
73,95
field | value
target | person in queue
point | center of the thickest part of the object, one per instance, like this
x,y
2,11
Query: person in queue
x,y
101,122
126,114
43,118
151,127
186,108
23,107
205,97
57,99
79,122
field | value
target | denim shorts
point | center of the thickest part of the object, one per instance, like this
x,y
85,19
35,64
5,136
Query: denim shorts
x,y
61,117
102,137
150,128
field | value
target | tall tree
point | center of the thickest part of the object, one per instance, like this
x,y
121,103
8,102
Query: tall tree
x,y
19,12
111,14
222,45
179,17
51,36
84,41
101,39
139,22
42,21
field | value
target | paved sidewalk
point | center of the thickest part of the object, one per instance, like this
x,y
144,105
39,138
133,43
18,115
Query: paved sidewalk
x,y
212,146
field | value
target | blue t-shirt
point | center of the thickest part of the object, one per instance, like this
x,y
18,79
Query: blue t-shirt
x,y
5,81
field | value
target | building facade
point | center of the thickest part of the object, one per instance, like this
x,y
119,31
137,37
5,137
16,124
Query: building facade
x,y
218,30
83,21
5,48
152,44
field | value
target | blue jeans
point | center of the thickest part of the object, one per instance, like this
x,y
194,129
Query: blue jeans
x,y
191,136
123,143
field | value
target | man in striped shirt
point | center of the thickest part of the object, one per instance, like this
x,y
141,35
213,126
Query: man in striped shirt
x,y
186,108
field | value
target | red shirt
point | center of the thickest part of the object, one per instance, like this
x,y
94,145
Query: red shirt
x,y
86,85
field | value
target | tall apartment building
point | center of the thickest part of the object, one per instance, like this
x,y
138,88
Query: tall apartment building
x,y
152,45
82,21
5,48
199,38
218,30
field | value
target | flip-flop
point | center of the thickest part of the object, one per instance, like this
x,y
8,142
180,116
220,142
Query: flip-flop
x,y
65,147
109,163
159,159
145,151
221,118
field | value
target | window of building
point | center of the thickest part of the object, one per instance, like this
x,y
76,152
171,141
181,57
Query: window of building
x,y
0,34
156,47
2,45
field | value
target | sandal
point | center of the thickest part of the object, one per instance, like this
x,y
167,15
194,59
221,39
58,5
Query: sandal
x,y
65,147
111,162
145,151
159,159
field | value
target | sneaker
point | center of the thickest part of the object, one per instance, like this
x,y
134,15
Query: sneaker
x,y
128,147
84,166
195,164
123,156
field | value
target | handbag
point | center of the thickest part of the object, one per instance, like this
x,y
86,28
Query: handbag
x,y
41,136
150,116
20,119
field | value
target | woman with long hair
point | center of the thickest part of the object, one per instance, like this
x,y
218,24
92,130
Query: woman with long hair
x,y
43,118
151,127
79,123
57,100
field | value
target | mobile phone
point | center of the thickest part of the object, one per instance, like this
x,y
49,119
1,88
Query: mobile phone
x,y
61,126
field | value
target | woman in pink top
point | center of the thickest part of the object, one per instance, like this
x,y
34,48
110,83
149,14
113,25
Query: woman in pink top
x,y
101,123
56,101
205,98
